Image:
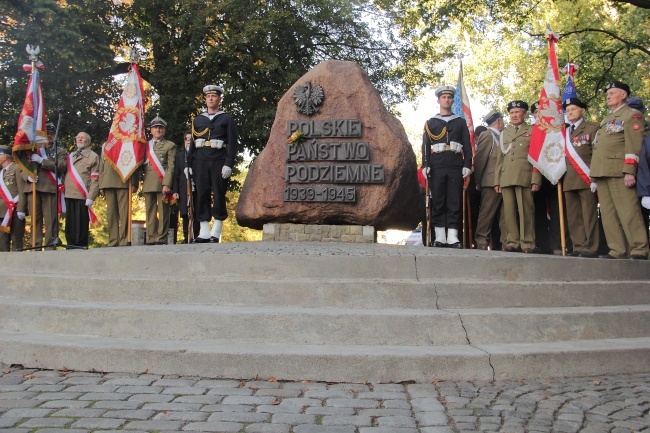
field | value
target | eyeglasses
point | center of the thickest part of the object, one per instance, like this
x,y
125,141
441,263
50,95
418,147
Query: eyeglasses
x,y
188,138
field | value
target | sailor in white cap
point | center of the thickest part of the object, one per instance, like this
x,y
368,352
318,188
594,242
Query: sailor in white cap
x,y
211,157
446,158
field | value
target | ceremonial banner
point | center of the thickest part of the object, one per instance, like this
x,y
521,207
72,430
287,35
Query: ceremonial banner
x,y
31,134
125,147
546,151
461,107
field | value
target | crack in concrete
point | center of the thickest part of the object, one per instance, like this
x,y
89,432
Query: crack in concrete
x,y
460,317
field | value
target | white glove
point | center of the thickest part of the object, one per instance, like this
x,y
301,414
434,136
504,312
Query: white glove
x,y
593,187
89,202
188,171
21,215
425,171
466,172
645,202
29,179
226,172
36,158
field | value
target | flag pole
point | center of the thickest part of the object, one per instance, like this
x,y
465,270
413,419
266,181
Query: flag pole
x,y
33,56
560,201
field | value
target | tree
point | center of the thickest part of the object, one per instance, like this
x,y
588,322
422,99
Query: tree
x,y
76,38
505,50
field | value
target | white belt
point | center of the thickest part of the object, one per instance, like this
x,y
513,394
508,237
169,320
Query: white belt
x,y
443,147
214,143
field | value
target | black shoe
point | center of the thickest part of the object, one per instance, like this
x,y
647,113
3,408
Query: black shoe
x,y
214,240
456,245
578,254
606,256
439,244
198,240
588,255
638,257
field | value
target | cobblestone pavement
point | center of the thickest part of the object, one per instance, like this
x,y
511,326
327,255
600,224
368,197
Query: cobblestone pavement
x,y
70,401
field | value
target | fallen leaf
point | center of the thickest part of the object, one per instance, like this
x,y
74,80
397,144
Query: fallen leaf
x,y
304,381
165,412
597,382
241,385
546,396
146,371
29,376
272,379
254,388
6,371
437,381
276,401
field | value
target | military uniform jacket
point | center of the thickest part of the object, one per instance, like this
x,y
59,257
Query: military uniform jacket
x,y
618,144
513,168
485,160
16,186
221,127
86,162
109,177
44,184
165,151
179,183
449,129
582,139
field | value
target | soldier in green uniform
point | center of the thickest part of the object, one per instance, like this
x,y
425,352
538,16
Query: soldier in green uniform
x,y
581,202
485,162
614,164
157,183
516,181
12,203
116,194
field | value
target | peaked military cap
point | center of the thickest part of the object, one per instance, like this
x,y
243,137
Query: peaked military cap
x,y
618,85
158,121
445,90
492,117
636,103
211,89
49,127
534,107
517,104
6,150
573,101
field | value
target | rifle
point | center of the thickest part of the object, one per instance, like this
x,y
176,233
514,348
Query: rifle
x,y
190,204
427,204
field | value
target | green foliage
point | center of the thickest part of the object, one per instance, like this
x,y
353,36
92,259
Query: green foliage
x,y
504,50
76,48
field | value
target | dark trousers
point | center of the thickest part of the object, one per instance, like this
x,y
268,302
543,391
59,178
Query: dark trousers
x,y
76,222
210,190
447,191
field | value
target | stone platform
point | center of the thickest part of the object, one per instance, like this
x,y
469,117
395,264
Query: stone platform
x,y
324,311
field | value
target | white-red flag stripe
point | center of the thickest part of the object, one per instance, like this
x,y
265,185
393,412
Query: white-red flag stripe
x,y
546,152
125,147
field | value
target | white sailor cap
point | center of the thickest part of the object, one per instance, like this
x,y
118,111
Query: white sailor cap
x,y
445,90
211,89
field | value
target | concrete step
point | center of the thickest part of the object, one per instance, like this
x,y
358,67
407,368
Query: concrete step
x,y
287,325
326,293
336,363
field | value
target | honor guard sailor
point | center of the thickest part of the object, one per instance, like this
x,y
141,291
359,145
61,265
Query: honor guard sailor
x,y
446,158
211,156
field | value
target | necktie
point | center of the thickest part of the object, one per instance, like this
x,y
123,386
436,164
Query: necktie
x,y
573,128
516,128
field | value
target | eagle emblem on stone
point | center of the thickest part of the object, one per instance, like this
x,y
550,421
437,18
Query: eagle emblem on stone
x,y
308,98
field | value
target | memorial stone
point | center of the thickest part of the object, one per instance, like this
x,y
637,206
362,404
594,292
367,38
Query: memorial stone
x,y
335,156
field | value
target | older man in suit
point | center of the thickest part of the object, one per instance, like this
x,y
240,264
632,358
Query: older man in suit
x,y
516,181
485,162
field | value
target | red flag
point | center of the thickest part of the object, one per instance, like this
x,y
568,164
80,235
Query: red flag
x,y
461,107
546,151
125,147
31,134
